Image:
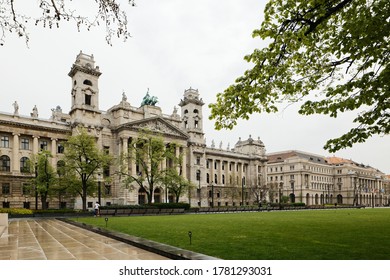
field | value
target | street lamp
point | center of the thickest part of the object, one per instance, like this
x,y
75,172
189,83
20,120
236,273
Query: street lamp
x,y
99,188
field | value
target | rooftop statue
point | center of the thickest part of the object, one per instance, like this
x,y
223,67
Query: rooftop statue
x,y
149,100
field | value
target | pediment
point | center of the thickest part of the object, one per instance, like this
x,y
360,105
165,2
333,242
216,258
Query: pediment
x,y
156,124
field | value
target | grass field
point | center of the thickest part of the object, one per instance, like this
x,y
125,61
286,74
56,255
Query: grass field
x,y
349,234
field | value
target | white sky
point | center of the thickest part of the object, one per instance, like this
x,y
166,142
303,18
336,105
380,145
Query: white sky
x,y
175,45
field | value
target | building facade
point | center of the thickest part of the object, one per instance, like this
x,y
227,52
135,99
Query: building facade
x,y
241,175
317,180
221,175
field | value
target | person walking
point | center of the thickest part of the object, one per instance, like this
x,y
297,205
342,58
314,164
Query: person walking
x,y
97,206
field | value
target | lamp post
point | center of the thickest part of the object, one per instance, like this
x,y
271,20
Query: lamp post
x,y
99,188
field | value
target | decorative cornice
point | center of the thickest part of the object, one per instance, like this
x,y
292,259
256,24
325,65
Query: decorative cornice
x,y
35,126
89,71
186,101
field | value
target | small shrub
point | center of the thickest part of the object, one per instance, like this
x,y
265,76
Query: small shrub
x,y
186,206
16,211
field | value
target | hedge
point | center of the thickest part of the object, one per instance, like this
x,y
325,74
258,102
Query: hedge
x,y
149,206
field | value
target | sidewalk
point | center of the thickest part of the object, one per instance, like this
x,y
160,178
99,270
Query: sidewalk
x,y
50,239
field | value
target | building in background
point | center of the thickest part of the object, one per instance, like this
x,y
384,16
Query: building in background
x,y
316,180
241,175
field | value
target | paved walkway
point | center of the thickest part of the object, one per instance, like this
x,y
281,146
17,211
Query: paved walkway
x,y
50,239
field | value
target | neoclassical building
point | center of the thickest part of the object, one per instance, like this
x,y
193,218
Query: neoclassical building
x,y
222,176
316,180
243,174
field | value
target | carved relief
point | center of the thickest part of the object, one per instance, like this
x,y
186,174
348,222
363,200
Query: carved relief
x,y
158,125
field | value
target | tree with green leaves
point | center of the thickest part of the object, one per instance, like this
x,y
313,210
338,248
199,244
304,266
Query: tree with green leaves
x,y
16,16
148,152
83,161
46,178
175,183
331,55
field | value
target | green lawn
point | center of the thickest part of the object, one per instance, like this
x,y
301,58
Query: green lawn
x,y
350,234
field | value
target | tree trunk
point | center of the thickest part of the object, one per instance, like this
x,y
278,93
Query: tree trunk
x,y
84,196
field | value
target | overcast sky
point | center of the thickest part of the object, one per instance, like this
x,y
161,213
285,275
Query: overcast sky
x,y
175,45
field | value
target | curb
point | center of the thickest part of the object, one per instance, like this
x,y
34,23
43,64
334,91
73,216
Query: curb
x,y
168,251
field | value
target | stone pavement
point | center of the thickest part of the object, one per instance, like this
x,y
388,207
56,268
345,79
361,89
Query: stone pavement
x,y
50,239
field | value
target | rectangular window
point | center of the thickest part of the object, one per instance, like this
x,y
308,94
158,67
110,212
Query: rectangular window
x,y
60,149
43,145
24,144
87,99
5,189
198,160
198,175
4,142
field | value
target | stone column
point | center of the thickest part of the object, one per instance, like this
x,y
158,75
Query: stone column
x,y
219,170
54,152
184,163
177,155
211,171
15,153
35,149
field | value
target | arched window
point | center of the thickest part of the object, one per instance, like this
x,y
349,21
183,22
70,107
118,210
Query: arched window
x,y
223,179
196,111
141,196
24,165
185,111
87,82
5,163
208,178
215,178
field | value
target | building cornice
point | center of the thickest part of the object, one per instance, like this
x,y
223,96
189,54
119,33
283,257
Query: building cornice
x,y
37,126
89,71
